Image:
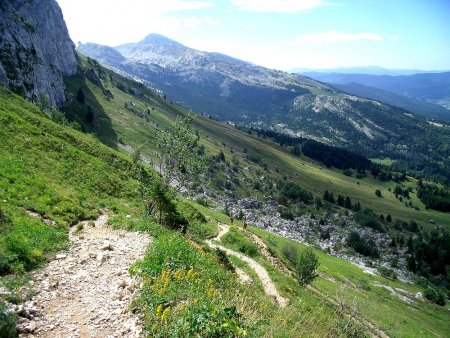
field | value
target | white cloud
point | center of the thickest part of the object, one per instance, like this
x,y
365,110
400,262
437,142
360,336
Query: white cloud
x,y
195,22
115,22
336,36
277,6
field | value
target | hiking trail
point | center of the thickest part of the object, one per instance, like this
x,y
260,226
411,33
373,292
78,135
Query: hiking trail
x,y
268,285
86,291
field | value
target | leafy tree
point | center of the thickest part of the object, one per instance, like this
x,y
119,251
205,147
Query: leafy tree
x,y
340,200
306,267
221,157
177,160
179,163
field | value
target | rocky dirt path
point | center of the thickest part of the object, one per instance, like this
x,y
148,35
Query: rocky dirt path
x,y
269,287
273,260
86,291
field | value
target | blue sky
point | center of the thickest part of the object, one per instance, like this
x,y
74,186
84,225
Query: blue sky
x,y
281,34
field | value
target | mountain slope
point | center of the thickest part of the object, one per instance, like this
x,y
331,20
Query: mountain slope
x,y
94,178
134,114
234,90
410,104
428,87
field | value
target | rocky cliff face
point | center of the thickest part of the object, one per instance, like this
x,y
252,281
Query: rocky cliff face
x,y
35,49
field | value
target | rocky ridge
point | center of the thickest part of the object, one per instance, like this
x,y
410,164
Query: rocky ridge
x,y
35,49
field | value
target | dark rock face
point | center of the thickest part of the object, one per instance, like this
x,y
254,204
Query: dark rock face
x,y
35,49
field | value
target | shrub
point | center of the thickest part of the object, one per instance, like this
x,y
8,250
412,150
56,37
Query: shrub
x,y
201,201
349,329
367,218
434,295
306,267
290,252
7,322
386,272
361,246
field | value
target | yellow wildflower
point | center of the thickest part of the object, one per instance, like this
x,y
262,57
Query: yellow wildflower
x,y
165,313
178,275
159,309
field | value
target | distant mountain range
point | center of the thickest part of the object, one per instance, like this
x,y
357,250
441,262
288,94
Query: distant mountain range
x,y
234,90
424,93
369,70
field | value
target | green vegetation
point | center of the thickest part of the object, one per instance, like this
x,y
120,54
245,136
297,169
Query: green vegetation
x,y
236,240
24,241
52,172
433,197
306,267
137,126
7,322
348,285
51,177
186,293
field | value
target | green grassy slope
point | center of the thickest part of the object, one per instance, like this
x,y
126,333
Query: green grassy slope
x,y
67,176
348,283
135,131
57,172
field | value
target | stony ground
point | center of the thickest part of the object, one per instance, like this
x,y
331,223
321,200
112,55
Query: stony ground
x,y
87,291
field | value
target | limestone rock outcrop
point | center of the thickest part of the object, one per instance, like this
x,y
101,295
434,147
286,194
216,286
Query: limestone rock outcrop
x,y
35,49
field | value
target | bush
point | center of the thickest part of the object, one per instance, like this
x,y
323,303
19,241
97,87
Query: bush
x,y
306,267
367,218
7,322
386,272
361,246
201,201
434,295
290,252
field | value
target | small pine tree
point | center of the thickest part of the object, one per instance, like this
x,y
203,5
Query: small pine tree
x,y
378,192
348,203
389,218
331,198
340,200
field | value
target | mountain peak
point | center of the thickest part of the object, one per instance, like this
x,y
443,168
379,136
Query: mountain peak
x,y
157,39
